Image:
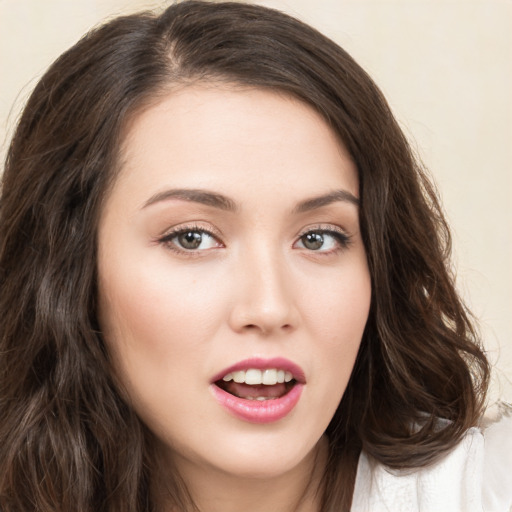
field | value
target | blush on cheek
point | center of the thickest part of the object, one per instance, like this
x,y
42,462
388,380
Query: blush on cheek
x,y
155,317
341,311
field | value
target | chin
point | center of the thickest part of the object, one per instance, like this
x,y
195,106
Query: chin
x,y
262,456
265,467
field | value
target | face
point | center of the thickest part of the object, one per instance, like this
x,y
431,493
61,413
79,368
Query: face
x,y
233,281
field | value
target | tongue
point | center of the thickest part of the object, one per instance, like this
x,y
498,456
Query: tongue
x,y
255,391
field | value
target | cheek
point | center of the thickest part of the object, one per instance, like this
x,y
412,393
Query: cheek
x,y
339,309
154,307
157,324
337,318
157,335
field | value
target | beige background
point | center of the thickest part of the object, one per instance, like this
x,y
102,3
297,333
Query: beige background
x,y
446,69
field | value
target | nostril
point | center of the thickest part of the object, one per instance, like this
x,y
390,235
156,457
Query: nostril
x,y
252,327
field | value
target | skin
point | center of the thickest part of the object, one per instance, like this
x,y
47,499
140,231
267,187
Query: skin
x,y
173,317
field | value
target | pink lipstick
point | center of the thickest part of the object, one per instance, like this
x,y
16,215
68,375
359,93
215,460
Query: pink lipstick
x,y
259,390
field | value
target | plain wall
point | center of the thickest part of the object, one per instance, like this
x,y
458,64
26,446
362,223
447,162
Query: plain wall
x,y
445,67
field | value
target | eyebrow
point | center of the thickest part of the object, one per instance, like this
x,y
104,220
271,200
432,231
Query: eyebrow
x,y
325,200
195,196
225,203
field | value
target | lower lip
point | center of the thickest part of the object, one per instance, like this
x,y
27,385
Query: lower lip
x,y
254,411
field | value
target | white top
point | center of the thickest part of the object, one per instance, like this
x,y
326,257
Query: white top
x,y
476,476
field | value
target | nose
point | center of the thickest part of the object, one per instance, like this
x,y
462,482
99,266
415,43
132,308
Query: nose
x,y
265,301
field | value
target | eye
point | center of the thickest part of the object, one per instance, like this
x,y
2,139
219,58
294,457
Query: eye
x,y
190,239
322,240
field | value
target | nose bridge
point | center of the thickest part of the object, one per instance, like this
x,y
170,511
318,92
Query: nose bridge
x,y
264,299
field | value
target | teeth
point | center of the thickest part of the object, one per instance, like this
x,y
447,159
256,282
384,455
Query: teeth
x,y
239,376
253,377
269,377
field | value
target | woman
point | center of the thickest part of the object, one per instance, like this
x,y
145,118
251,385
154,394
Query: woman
x,y
225,285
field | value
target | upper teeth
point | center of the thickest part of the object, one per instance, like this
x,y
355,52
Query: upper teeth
x,y
253,377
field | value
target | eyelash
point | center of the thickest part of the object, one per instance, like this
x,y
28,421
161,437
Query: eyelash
x,y
168,238
343,239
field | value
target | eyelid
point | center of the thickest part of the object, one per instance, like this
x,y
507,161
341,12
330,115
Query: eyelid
x,y
344,238
166,238
189,226
326,228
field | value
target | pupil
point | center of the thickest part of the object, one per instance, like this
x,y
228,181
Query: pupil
x,y
313,241
190,240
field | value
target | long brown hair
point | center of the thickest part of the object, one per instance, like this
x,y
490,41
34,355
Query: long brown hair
x,y
68,441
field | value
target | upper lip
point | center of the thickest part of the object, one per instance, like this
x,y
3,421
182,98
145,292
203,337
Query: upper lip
x,y
280,363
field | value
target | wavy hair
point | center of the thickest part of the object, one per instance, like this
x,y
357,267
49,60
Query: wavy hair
x,y
69,442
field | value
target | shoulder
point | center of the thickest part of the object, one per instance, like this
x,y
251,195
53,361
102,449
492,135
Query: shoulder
x,y
497,464
475,476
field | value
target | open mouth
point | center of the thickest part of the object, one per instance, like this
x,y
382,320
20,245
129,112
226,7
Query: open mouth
x,y
259,390
255,384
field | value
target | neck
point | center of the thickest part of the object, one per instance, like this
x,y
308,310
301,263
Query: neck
x,y
214,491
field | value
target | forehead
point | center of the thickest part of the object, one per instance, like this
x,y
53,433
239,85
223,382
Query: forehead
x,y
222,137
